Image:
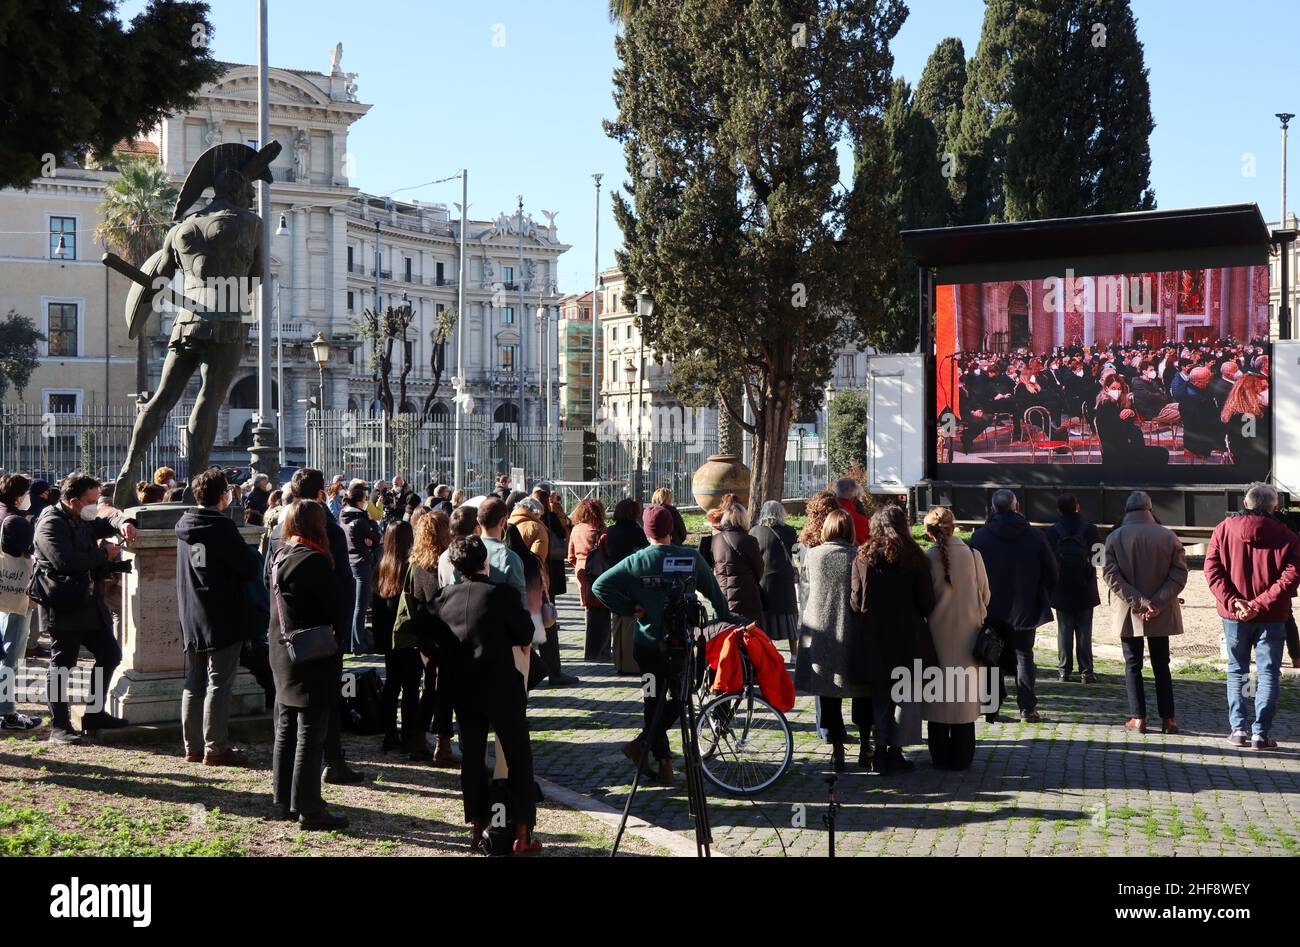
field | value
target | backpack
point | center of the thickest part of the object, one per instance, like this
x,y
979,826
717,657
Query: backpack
x,y
363,710
1075,559
597,559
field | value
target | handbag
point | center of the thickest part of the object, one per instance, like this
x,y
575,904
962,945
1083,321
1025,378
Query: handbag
x,y
15,578
404,623
989,644
305,644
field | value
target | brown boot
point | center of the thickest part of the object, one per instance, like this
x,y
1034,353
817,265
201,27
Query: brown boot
x,y
1136,723
635,750
1169,726
230,757
666,771
443,754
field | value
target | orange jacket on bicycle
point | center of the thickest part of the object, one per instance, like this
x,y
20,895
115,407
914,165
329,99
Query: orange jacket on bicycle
x,y
724,654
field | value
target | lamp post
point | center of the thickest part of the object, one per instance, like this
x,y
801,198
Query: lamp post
x,y
320,353
645,307
458,382
595,313
1284,301
523,335
264,454
830,392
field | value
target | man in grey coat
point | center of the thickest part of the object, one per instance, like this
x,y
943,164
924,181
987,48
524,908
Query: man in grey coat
x,y
1145,570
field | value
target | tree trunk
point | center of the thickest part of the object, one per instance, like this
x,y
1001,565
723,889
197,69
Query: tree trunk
x,y
771,431
730,434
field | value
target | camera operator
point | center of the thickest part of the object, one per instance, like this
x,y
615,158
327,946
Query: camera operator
x,y
643,585
69,566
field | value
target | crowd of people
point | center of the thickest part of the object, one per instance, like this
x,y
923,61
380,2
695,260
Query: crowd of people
x,y
1208,400
458,595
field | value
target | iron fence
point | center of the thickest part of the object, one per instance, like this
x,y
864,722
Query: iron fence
x,y
50,445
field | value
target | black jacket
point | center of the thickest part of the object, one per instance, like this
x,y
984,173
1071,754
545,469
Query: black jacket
x,y
1077,593
738,567
622,539
213,565
69,565
307,597
890,605
779,577
1021,570
358,527
487,621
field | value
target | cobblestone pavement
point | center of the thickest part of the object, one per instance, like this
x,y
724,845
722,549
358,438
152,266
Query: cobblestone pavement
x,y
1076,784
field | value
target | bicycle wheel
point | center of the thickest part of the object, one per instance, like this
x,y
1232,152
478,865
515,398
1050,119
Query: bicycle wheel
x,y
745,742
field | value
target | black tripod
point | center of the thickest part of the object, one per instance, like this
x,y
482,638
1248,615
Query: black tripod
x,y
682,663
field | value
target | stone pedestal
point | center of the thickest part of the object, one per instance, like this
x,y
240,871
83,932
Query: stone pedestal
x,y
147,687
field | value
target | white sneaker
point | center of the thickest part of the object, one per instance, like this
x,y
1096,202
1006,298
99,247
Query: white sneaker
x,y
19,722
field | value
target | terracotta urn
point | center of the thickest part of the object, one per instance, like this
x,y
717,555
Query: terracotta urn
x,y
721,474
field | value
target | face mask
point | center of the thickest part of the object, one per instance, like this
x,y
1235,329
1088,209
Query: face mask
x,y
977,371
25,501
1033,379
1079,373
90,511
1263,398
1149,374
1112,394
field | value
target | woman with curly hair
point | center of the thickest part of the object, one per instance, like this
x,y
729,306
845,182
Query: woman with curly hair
x,y
818,507
892,596
588,532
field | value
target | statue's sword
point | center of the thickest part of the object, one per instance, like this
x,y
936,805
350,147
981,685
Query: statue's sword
x,y
139,277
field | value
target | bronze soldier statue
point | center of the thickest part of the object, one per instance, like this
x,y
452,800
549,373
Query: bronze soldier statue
x,y
218,250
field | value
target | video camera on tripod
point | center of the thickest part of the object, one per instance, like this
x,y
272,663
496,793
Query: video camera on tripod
x,y
683,614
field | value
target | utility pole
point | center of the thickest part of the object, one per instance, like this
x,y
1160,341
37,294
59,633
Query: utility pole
x,y
1285,247
459,384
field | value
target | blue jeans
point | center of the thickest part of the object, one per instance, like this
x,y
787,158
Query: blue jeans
x,y
13,632
362,643
1266,639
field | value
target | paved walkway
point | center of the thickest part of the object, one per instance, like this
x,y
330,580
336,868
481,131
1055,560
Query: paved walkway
x,y
1078,783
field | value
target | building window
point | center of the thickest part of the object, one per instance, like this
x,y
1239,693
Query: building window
x,y
438,272
64,228
507,274
350,263
61,329
507,315
63,402
847,366
507,358
613,372
352,297
406,262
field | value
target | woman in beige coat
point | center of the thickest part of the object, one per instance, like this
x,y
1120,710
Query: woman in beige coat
x,y
961,596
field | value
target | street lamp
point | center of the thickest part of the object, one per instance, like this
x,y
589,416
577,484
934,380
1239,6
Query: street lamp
x,y
320,353
645,307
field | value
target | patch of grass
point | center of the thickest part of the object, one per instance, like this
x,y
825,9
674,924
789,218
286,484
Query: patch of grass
x,y
25,831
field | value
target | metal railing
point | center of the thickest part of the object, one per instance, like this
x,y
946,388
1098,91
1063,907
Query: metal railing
x,y
49,446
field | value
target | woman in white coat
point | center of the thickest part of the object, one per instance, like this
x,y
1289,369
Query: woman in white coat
x,y
961,596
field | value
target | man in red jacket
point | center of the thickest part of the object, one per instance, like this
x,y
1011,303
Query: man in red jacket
x,y
1253,568
847,492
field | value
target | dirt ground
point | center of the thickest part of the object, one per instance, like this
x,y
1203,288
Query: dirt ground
x,y
116,800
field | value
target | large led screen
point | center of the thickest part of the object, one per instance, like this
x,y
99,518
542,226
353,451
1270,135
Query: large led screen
x,y
1141,377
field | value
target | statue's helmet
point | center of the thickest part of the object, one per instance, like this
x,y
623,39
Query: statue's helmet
x,y
222,166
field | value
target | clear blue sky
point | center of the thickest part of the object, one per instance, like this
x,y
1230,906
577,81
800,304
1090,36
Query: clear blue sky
x,y
526,116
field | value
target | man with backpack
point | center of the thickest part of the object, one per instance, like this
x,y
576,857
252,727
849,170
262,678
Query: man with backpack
x,y
1074,542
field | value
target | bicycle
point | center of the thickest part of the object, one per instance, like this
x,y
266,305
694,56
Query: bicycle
x,y
745,743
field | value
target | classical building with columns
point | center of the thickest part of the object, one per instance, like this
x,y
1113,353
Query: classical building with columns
x,y
323,233
1183,305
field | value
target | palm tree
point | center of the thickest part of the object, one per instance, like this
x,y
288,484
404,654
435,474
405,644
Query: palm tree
x,y
137,211
620,11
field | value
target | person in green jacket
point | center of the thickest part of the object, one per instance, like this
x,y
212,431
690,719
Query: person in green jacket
x,y
620,588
